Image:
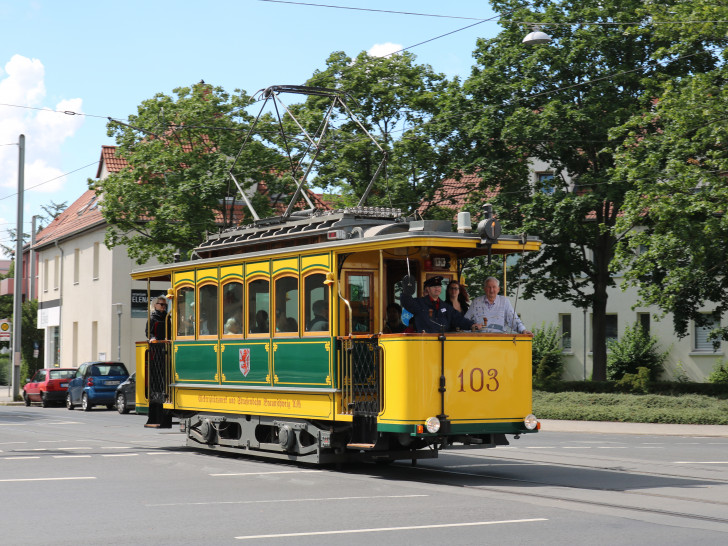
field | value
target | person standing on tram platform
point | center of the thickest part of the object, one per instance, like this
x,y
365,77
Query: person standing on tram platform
x,y
495,313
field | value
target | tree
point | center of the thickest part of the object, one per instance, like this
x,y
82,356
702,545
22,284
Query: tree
x,y
395,98
557,104
676,158
179,151
52,210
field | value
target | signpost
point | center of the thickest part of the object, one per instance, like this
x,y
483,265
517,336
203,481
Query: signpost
x,y
4,330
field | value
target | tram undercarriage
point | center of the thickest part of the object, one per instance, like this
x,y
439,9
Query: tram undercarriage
x,y
315,441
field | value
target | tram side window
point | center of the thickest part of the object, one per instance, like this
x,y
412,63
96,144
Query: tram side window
x,y
186,311
208,310
232,308
316,303
287,304
258,306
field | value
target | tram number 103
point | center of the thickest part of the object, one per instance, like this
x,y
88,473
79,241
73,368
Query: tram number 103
x,y
478,379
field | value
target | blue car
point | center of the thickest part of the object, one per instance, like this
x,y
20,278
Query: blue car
x,y
95,384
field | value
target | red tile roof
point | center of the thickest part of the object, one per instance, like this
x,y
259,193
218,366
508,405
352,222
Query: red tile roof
x,y
81,215
108,157
455,194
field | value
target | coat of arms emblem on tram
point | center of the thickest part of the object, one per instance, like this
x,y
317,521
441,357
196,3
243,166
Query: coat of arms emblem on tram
x,y
244,361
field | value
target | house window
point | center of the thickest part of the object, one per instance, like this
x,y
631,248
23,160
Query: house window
x,y
56,272
76,265
565,330
610,328
96,262
701,333
545,183
644,320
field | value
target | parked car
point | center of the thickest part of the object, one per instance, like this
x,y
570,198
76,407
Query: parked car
x,y
95,384
126,395
48,385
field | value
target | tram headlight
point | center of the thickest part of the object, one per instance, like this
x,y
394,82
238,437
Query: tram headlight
x,y
530,421
432,425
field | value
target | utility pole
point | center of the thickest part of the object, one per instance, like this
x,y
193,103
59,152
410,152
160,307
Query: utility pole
x,y
17,295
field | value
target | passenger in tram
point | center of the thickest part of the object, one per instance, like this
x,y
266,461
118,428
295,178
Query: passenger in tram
x,y
432,315
495,313
320,320
457,296
232,326
393,324
261,323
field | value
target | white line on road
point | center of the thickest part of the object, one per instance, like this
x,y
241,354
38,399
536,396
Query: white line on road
x,y
116,447
71,456
72,448
700,462
264,473
381,529
120,455
20,458
287,500
49,479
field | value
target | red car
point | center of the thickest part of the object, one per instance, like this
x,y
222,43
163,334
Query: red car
x,y
48,385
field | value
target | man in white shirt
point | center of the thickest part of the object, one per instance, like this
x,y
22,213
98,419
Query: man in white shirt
x,y
495,312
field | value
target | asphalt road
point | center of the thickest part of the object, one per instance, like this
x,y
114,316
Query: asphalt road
x,y
69,477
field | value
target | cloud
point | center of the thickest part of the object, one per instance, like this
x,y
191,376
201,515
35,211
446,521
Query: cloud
x,y
23,111
382,50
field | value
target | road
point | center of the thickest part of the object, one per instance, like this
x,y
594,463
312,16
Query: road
x,y
69,477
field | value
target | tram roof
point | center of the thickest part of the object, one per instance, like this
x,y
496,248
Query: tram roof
x,y
357,229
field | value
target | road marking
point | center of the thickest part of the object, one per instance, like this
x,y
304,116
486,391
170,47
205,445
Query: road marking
x,y
48,479
384,529
700,462
163,453
72,448
115,447
264,473
8,443
71,456
120,454
577,447
493,465
20,458
287,500
611,447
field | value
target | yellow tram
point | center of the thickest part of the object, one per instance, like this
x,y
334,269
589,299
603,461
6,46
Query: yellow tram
x,y
251,367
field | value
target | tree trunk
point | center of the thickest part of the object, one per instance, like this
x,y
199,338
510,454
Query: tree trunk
x,y
602,257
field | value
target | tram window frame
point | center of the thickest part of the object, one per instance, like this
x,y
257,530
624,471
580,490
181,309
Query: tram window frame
x,y
308,301
369,302
289,308
233,309
182,300
253,310
209,309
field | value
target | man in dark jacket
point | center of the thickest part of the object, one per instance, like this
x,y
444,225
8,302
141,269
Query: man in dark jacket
x,y
431,314
158,330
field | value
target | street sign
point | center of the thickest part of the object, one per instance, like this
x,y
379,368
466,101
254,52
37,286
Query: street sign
x,y
4,330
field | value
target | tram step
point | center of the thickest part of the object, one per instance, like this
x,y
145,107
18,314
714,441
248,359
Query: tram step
x,y
360,446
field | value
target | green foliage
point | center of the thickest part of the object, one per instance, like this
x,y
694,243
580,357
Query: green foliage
x,y
546,356
31,337
635,382
719,373
4,370
395,99
634,408
179,152
633,350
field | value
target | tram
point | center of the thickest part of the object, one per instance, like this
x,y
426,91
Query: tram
x,y
278,346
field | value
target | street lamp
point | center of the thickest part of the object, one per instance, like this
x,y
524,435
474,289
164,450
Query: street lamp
x,y
118,314
537,36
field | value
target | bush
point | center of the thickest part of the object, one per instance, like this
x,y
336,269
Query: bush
x,y
635,349
546,354
719,374
4,370
635,382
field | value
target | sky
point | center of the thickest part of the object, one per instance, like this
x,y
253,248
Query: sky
x,y
65,67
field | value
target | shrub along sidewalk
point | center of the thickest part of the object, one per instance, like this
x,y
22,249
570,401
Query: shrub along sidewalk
x,y
689,409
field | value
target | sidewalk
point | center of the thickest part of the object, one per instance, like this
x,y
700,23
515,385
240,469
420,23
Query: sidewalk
x,y
590,427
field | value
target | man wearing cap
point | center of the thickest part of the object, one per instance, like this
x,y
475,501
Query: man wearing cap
x,y
431,314
495,311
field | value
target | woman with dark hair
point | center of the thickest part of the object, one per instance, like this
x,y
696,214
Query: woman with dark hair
x,y
457,296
